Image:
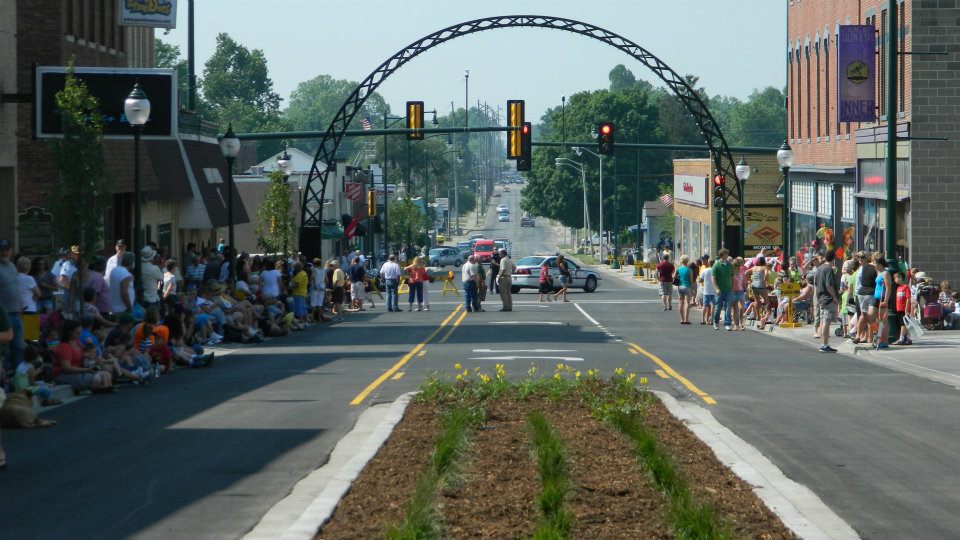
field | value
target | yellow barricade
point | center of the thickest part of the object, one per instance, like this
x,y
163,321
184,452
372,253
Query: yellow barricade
x,y
31,326
791,291
638,270
620,261
403,288
373,287
448,285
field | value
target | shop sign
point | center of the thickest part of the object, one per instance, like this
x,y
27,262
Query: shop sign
x,y
151,13
764,228
856,46
690,189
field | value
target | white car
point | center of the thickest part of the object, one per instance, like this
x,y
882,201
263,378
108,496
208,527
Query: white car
x,y
502,208
527,274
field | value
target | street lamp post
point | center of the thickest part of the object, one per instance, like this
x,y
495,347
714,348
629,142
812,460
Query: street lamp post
x,y
137,110
743,173
579,150
561,161
785,159
285,166
230,147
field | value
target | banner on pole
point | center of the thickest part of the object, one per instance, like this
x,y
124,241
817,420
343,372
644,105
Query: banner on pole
x,y
856,69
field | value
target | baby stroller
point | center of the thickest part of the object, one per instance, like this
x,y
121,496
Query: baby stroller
x,y
929,311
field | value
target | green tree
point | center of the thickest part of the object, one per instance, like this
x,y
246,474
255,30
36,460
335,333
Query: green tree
x,y
621,78
407,223
82,192
168,56
275,224
761,121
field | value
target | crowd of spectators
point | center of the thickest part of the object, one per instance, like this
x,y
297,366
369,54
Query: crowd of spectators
x,y
76,321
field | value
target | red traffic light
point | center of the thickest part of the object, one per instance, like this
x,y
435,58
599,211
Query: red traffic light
x,y
526,129
719,180
605,129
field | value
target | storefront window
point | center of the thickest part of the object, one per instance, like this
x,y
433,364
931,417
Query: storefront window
x,y
707,240
692,231
870,221
804,233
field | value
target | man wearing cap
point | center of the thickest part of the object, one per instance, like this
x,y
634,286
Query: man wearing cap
x,y
150,276
55,269
114,260
68,268
11,305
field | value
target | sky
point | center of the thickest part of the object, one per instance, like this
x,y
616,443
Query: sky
x,y
734,47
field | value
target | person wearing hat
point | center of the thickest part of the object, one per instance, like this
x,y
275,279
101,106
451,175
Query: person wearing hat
x,y
11,305
114,260
151,276
122,293
337,281
62,258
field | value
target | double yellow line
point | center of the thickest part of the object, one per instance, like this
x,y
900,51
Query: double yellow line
x,y
406,358
669,370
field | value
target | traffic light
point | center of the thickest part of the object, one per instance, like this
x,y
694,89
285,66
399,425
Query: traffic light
x,y
371,203
719,181
515,118
605,138
525,157
415,119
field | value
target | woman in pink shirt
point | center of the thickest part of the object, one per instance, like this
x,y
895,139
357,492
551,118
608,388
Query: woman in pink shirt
x,y
739,292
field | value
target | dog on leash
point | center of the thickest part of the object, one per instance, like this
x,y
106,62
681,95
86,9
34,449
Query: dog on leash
x,y
17,412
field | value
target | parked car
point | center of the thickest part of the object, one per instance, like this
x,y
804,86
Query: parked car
x,y
527,274
483,250
446,256
503,217
527,222
475,236
503,243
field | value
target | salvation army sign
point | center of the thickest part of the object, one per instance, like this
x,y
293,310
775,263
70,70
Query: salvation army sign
x,y
855,73
690,189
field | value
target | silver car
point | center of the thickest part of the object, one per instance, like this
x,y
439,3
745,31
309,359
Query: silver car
x,y
445,256
527,274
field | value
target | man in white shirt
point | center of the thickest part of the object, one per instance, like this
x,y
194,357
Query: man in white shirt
x,y
115,259
150,276
470,275
390,272
121,286
505,281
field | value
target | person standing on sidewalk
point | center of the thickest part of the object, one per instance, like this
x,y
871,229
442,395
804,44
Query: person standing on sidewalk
x,y
828,299
722,276
494,271
390,272
684,288
903,307
505,281
10,304
665,272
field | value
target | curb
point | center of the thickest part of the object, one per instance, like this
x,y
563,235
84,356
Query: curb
x,y
289,518
796,505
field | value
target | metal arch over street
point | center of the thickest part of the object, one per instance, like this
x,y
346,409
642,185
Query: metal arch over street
x,y
312,203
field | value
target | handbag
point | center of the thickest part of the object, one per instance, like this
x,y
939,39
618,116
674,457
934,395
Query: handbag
x,y
676,281
932,311
913,327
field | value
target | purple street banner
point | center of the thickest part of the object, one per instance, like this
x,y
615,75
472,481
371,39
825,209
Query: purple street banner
x,y
855,73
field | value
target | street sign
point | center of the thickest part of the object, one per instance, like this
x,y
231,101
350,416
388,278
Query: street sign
x,y
353,190
380,200
443,204
790,289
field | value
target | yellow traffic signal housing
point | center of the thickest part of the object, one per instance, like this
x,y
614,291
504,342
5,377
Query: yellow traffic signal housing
x,y
515,118
371,203
415,119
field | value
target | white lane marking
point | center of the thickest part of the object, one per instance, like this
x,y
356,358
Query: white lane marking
x,y
585,314
519,357
553,323
486,351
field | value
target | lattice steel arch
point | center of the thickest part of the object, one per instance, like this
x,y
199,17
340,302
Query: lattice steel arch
x,y
312,203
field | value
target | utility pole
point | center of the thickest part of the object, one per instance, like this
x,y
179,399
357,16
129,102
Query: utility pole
x,y
893,58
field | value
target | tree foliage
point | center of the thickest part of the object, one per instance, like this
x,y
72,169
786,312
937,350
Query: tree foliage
x,y
406,222
83,190
275,225
169,56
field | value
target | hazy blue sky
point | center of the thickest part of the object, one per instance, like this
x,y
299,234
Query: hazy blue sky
x,y
734,46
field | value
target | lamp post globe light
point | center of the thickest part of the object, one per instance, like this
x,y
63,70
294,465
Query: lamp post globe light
x,y
284,164
137,110
230,147
785,159
743,174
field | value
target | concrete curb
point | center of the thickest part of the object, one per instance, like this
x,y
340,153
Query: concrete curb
x,y
796,505
299,515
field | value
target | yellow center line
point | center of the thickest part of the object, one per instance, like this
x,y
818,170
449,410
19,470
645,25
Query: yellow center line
x,y
452,328
397,376
406,358
683,380
661,373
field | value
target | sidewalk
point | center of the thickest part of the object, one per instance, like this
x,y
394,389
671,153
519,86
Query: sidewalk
x,y
935,356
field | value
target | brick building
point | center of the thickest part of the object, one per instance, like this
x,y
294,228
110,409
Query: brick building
x,y
182,178
838,178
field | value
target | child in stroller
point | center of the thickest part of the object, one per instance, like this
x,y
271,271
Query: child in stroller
x,y
928,308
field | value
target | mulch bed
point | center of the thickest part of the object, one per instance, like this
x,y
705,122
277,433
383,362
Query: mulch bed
x,y
494,496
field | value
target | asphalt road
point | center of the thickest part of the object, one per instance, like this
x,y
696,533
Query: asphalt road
x,y
204,454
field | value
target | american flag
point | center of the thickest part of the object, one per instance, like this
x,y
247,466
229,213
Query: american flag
x,y
365,122
666,199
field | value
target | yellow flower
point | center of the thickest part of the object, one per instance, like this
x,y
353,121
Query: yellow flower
x,y
559,367
577,374
532,370
618,371
459,377
643,381
457,366
466,372
556,376
484,378
631,377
